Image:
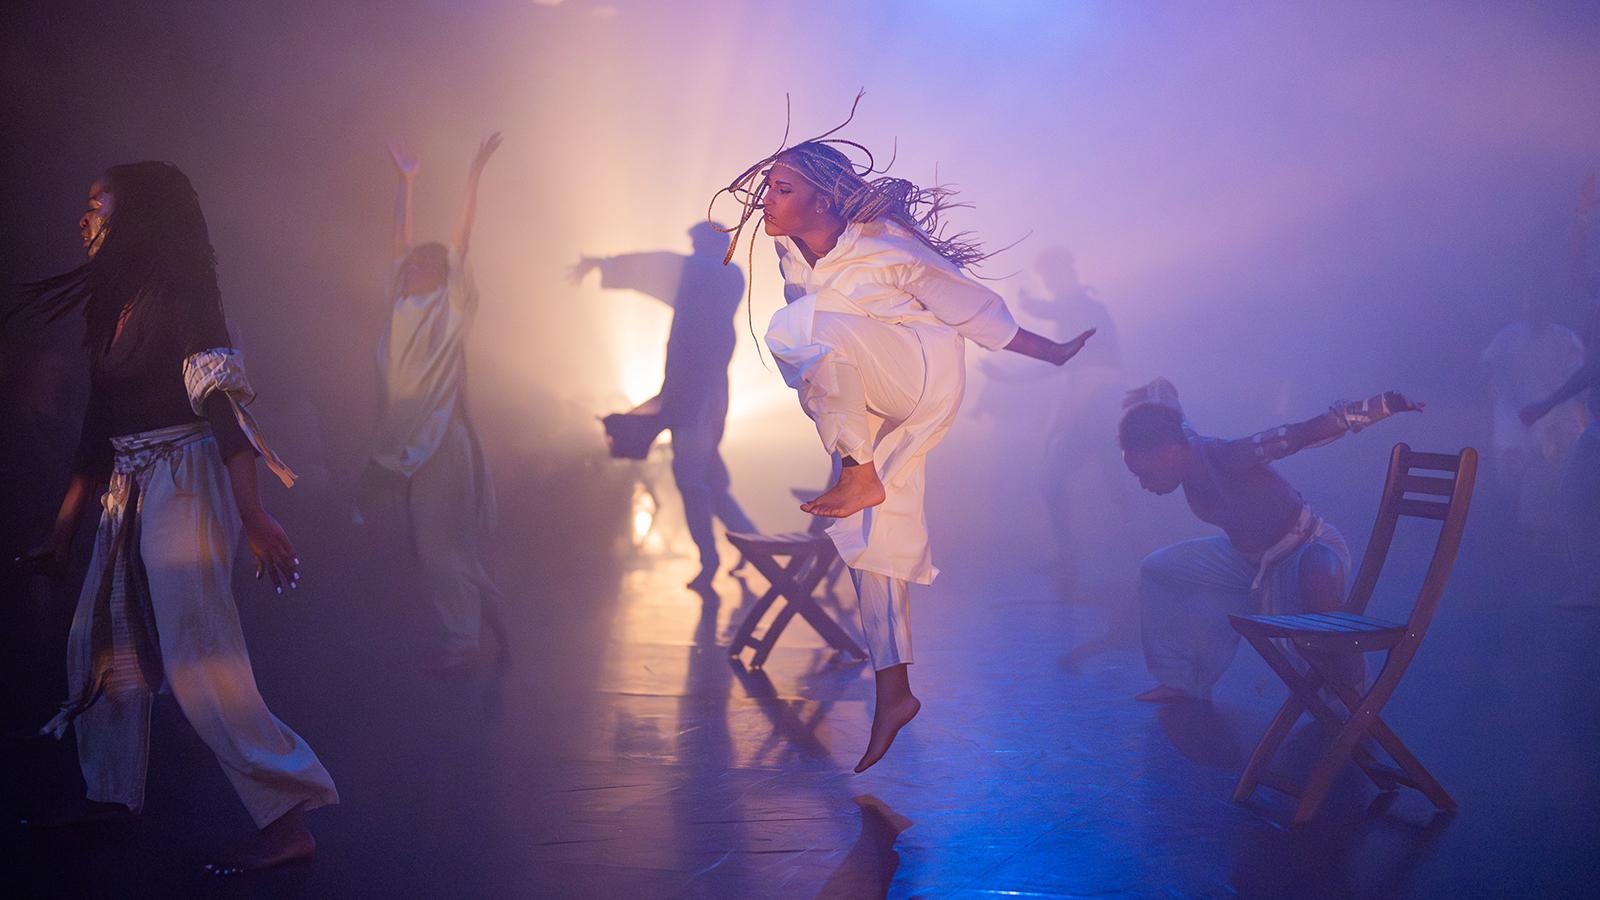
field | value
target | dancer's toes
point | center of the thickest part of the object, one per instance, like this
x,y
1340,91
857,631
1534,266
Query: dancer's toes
x,y
1161,693
886,723
858,488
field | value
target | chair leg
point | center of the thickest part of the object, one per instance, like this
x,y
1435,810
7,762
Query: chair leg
x,y
1425,782
1321,780
743,637
1282,723
1422,779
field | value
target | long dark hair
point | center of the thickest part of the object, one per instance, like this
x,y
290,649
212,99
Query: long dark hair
x,y
154,249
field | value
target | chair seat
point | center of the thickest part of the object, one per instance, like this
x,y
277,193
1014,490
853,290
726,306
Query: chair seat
x,y
779,544
1336,626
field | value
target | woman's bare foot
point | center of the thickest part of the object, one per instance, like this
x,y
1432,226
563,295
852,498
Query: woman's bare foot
x,y
1161,693
284,840
896,707
858,487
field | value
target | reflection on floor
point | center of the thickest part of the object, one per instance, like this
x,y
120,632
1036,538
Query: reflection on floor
x,y
622,755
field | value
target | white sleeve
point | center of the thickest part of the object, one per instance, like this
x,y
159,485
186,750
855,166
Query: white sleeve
x,y
977,313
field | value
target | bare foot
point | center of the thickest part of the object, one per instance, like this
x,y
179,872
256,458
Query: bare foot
x,y
284,840
1162,694
887,721
881,816
858,488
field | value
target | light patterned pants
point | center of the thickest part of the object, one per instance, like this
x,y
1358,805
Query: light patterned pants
x,y
885,609
188,533
1188,590
451,503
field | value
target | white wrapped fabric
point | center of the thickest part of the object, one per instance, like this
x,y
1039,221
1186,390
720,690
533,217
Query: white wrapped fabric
x,y
222,369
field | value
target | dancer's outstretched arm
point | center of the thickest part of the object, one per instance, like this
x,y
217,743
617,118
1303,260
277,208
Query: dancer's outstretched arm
x,y
469,207
1584,378
1341,418
406,168
1042,348
657,275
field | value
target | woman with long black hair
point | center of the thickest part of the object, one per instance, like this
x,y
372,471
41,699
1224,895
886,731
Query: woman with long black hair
x,y
168,439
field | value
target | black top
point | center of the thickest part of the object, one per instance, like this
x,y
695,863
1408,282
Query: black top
x,y
136,384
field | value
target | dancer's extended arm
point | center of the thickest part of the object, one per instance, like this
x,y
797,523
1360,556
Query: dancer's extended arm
x,y
406,168
1341,418
469,207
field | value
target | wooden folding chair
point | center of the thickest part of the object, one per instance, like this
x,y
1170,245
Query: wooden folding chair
x,y
819,526
1322,638
810,557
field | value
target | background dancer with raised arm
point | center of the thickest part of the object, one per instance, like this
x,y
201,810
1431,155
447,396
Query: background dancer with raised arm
x,y
426,459
167,427
1275,554
873,338
693,400
1580,484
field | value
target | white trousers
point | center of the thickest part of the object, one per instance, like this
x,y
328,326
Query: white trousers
x,y
450,507
188,531
885,607
884,393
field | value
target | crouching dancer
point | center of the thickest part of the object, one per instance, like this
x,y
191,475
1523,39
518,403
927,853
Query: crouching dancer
x,y
1275,554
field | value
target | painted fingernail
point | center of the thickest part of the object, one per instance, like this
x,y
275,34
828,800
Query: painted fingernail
x,y
295,585
278,589
297,560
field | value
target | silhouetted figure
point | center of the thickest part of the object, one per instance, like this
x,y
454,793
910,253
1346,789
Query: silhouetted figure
x,y
168,450
1580,486
693,400
1080,483
1275,554
426,460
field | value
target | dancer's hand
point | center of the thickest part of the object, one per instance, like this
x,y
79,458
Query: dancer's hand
x,y
1071,348
1396,402
586,264
485,150
48,559
405,165
270,546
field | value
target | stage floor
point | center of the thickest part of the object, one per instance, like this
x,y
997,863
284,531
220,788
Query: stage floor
x,y
623,755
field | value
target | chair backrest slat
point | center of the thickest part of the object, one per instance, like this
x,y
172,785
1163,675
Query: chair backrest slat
x,y
1438,462
1427,484
1451,512
1424,509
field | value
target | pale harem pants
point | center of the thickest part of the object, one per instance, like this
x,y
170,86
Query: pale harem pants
x,y
450,506
1188,590
869,398
187,531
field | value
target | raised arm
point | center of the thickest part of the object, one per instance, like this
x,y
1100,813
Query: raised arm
x,y
658,275
406,168
469,207
1344,416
